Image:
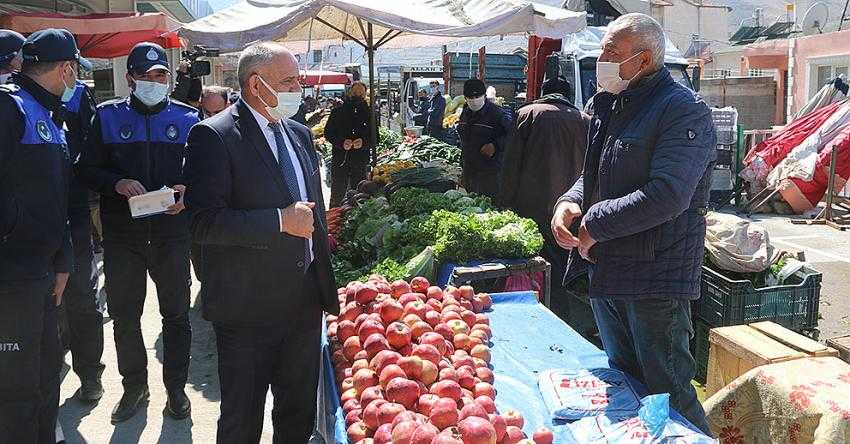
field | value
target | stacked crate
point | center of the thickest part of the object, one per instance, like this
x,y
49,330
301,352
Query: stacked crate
x,y
725,166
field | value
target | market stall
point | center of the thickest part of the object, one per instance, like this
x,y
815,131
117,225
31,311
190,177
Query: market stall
x,y
527,341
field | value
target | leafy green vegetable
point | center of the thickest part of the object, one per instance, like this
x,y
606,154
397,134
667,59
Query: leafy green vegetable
x,y
389,269
494,234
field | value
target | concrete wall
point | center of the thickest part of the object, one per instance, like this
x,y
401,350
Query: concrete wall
x,y
753,97
808,53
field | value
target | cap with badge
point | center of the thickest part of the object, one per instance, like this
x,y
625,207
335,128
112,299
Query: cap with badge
x,y
53,45
474,88
10,44
145,57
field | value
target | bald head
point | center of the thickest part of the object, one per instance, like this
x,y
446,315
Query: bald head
x,y
265,69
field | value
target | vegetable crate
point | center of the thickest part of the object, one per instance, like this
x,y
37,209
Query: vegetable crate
x,y
725,302
464,275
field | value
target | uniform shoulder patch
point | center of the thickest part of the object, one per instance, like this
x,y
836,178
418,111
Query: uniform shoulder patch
x,y
172,132
43,131
125,132
692,134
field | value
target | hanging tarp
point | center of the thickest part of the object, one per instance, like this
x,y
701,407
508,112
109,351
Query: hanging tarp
x,y
313,77
101,35
804,195
233,28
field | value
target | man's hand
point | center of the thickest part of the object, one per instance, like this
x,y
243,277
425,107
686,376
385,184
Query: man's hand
x,y
347,144
297,219
565,214
586,242
488,149
178,206
129,188
59,286
357,144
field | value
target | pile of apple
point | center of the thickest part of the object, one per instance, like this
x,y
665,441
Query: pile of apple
x,y
412,363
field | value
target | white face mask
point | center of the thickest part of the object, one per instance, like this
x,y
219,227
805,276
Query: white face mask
x,y
150,93
5,78
476,103
68,92
608,76
287,103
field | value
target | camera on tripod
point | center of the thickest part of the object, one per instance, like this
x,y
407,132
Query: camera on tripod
x,y
200,68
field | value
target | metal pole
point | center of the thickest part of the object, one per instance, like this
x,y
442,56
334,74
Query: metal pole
x,y
373,127
830,191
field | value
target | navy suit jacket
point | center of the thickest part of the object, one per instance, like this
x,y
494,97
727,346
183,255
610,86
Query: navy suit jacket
x,y
252,273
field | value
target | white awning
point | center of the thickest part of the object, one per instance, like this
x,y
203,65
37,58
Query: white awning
x,y
233,28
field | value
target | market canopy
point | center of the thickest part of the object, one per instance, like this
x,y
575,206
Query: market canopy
x,y
313,78
233,28
101,35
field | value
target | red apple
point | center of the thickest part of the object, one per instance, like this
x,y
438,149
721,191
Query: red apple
x,y
461,341
434,339
448,374
450,315
384,434
486,403
500,425
351,348
389,373
485,328
473,409
444,413
450,435
432,318
428,353
404,431
398,335
375,343
543,436
419,284
416,307
365,378
410,319
371,394
446,389
434,292
418,329
485,374
467,305
460,361
387,412
514,418
426,403
436,305
488,301
429,373
441,328
350,312
399,288
468,317
370,413
466,292
353,416
391,311
466,378
361,355
480,336
407,298
383,359
514,434
357,431
412,366
359,365
365,294
424,434
404,416
484,389
458,326
404,392
476,430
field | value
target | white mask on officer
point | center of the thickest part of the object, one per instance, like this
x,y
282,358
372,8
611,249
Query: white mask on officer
x,y
150,93
477,103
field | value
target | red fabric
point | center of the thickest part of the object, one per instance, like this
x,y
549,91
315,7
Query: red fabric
x,y
313,78
816,188
538,49
773,150
102,35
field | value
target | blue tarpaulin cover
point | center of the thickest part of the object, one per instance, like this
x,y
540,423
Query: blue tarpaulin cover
x,y
527,340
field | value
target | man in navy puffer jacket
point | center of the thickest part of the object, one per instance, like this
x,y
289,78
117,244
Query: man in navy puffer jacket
x,y
639,211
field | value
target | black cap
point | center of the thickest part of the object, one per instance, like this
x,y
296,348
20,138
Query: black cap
x,y
146,56
474,88
53,45
10,44
557,85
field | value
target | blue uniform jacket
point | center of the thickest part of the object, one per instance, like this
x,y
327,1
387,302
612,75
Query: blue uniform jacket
x,y
436,110
644,190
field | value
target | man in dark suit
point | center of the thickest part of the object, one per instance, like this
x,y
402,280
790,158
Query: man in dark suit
x,y
256,206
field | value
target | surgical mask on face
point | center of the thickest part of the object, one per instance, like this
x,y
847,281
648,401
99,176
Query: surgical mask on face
x,y
287,103
608,76
68,93
476,103
150,93
5,78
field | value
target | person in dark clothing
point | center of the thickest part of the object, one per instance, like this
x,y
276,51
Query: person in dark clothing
x,y
35,242
187,89
420,118
308,105
214,100
348,131
79,306
138,144
436,112
639,208
10,54
543,159
483,129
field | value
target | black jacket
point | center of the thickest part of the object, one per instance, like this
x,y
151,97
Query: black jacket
x,y
349,121
252,271
34,177
131,141
489,124
81,111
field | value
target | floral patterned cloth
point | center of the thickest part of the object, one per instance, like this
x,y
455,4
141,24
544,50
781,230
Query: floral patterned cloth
x,y
799,401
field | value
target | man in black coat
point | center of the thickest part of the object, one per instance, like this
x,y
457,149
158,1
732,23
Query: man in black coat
x,y
483,129
255,201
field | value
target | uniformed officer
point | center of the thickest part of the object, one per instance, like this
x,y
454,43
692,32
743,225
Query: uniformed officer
x,y
137,145
79,313
34,241
10,54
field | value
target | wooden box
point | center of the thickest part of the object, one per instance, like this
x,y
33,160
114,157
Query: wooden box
x,y
735,350
842,344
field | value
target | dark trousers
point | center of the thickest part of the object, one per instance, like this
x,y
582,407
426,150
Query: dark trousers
x,y
435,132
347,170
84,323
284,356
648,338
29,362
482,182
126,266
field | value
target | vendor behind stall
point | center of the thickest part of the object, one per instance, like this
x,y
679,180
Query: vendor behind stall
x,y
348,131
436,112
483,129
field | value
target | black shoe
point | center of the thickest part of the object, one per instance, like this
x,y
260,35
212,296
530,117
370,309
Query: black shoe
x,y
130,402
91,390
178,405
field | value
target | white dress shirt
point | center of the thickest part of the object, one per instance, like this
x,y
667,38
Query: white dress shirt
x,y
293,159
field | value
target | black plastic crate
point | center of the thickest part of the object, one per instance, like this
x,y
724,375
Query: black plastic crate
x,y
724,157
699,349
725,302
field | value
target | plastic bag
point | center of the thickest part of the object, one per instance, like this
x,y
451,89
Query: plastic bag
x,y
652,425
575,394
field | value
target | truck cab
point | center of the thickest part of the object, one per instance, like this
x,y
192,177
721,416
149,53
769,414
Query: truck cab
x,y
580,50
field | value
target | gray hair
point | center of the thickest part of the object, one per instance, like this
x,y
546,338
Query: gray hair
x,y
647,32
213,90
255,56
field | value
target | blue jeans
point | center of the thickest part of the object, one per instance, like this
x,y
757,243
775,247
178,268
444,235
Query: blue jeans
x,y
648,339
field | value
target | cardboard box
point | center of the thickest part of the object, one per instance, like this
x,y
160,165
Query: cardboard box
x,y
736,350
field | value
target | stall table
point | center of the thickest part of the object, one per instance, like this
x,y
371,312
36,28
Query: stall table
x,y
527,339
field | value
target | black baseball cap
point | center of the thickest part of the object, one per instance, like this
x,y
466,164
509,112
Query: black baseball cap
x,y
146,56
53,45
10,44
474,88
